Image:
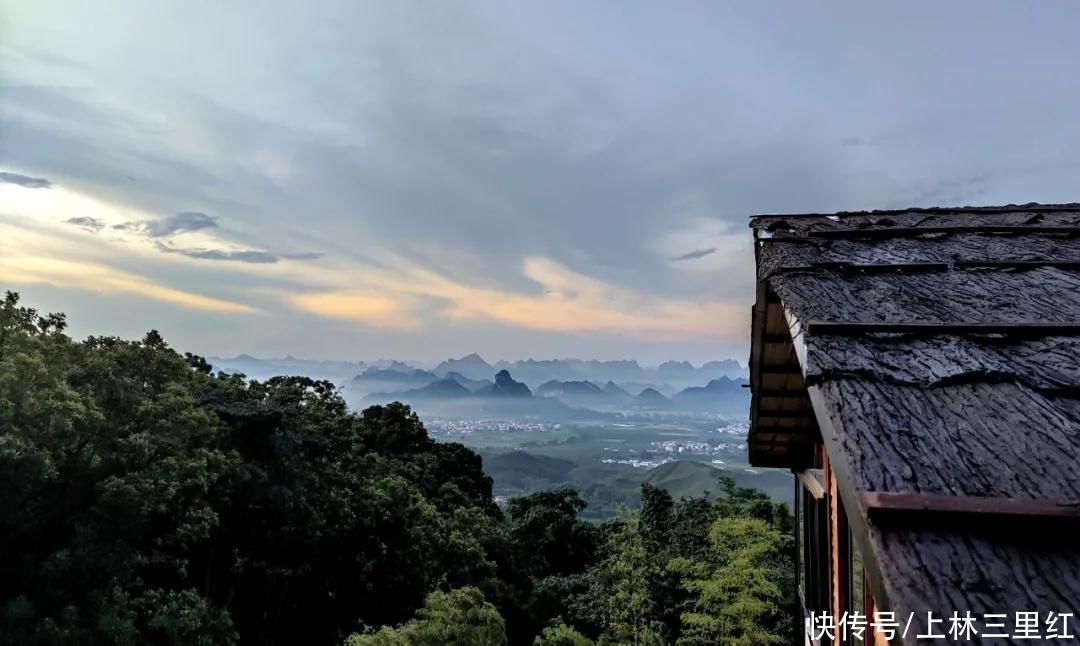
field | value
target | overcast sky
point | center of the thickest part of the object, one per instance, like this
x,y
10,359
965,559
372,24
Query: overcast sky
x,y
425,179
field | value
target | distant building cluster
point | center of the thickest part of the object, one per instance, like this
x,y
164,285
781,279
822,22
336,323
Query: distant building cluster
x,y
738,429
466,426
639,463
683,447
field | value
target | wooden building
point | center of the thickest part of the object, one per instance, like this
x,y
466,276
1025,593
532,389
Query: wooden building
x,y
919,371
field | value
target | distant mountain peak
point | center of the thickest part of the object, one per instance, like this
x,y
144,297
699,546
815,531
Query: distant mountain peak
x,y
651,393
471,384
505,386
471,365
615,389
676,364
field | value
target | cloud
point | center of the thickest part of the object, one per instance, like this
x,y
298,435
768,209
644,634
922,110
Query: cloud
x,y
949,192
694,255
18,267
171,224
179,223
395,159
371,309
85,222
24,181
560,301
253,256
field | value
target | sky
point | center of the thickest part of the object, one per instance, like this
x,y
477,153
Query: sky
x,y
418,180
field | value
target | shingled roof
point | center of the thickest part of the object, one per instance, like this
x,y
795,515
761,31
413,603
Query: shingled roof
x,y
936,353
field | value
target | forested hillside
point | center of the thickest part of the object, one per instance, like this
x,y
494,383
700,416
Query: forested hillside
x,y
147,500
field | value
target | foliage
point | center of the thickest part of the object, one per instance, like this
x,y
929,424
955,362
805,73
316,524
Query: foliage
x,y
147,500
736,595
628,570
457,618
561,635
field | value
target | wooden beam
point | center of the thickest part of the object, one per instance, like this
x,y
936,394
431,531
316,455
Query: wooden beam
x,y
783,393
1029,329
910,267
870,268
782,369
795,431
935,509
838,463
905,232
933,210
786,414
812,484
1017,264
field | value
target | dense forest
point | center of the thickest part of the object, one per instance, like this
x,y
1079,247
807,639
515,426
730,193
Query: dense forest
x,y
147,500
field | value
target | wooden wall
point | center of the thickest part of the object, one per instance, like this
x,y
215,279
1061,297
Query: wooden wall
x,y
839,560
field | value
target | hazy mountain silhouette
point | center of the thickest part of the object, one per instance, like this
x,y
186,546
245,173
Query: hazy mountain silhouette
x,y
667,378
615,391
651,399
471,384
471,366
263,369
719,394
441,389
505,386
390,380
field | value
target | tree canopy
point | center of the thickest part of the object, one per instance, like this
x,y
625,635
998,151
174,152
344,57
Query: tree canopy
x,y
148,500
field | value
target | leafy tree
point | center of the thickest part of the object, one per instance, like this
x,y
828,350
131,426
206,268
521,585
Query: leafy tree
x,y
737,597
561,635
457,618
657,516
553,539
631,610
109,461
148,500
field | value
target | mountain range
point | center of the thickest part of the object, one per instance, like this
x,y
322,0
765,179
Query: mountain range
x,y
554,396
675,373
470,385
668,377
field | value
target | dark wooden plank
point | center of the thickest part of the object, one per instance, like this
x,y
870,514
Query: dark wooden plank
x,y
954,439
913,267
935,210
782,369
917,218
936,509
1025,252
946,569
880,268
903,232
1045,295
783,393
1048,365
1024,329
765,413
1016,264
